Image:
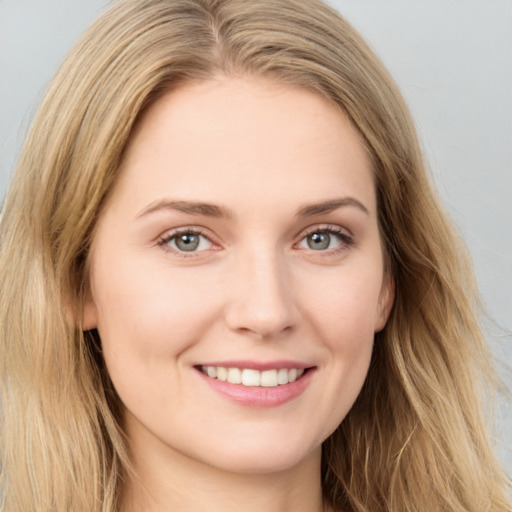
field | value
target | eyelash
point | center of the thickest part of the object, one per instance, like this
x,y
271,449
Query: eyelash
x,y
168,237
346,240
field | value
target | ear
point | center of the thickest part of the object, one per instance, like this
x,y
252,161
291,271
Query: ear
x,y
89,313
385,303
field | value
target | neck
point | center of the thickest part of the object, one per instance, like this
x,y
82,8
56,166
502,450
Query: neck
x,y
166,483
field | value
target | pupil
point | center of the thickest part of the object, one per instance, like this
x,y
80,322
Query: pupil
x,y
319,241
187,242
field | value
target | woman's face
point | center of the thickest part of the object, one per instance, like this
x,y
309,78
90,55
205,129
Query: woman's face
x,y
240,243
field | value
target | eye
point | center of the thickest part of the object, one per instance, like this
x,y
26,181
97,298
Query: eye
x,y
325,239
186,241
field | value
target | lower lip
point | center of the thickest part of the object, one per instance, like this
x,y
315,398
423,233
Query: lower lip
x,y
259,396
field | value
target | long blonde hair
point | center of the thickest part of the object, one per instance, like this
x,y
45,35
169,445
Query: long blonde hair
x,y
414,441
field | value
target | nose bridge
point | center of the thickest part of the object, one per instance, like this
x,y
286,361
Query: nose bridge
x,y
262,300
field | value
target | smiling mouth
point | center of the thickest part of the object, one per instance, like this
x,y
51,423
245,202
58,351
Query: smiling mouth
x,y
254,378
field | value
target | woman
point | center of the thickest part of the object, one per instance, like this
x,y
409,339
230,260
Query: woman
x,y
234,286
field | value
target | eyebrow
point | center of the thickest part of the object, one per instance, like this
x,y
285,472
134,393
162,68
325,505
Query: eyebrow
x,y
331,205
216,211
191,207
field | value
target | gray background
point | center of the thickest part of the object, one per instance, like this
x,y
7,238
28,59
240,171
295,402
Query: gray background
x,y
452,60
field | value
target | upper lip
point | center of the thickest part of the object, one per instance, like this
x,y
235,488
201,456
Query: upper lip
x,y
259,365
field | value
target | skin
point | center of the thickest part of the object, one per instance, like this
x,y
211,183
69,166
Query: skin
x,y
253,290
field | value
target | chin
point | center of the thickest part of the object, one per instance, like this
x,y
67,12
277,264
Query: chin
x,y
263,458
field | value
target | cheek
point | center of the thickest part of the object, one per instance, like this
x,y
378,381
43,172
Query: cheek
x,y
144,317
145,324
341,318
345,305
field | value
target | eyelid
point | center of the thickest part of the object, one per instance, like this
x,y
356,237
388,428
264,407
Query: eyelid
x,y
344,234
324,227
347,238
168,235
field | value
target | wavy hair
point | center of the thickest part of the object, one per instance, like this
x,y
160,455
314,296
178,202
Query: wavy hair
x,y
415,439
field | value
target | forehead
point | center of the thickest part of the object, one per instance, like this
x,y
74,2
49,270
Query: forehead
x,y
247,138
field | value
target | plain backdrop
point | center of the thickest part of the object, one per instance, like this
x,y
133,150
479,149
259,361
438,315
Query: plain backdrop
x,y
453,62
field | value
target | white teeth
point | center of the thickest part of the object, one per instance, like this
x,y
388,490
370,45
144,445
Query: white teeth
x,y
282,376
269,378
222,373
235,376
253,378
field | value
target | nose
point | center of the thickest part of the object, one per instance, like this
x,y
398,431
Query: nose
x,y
262,302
